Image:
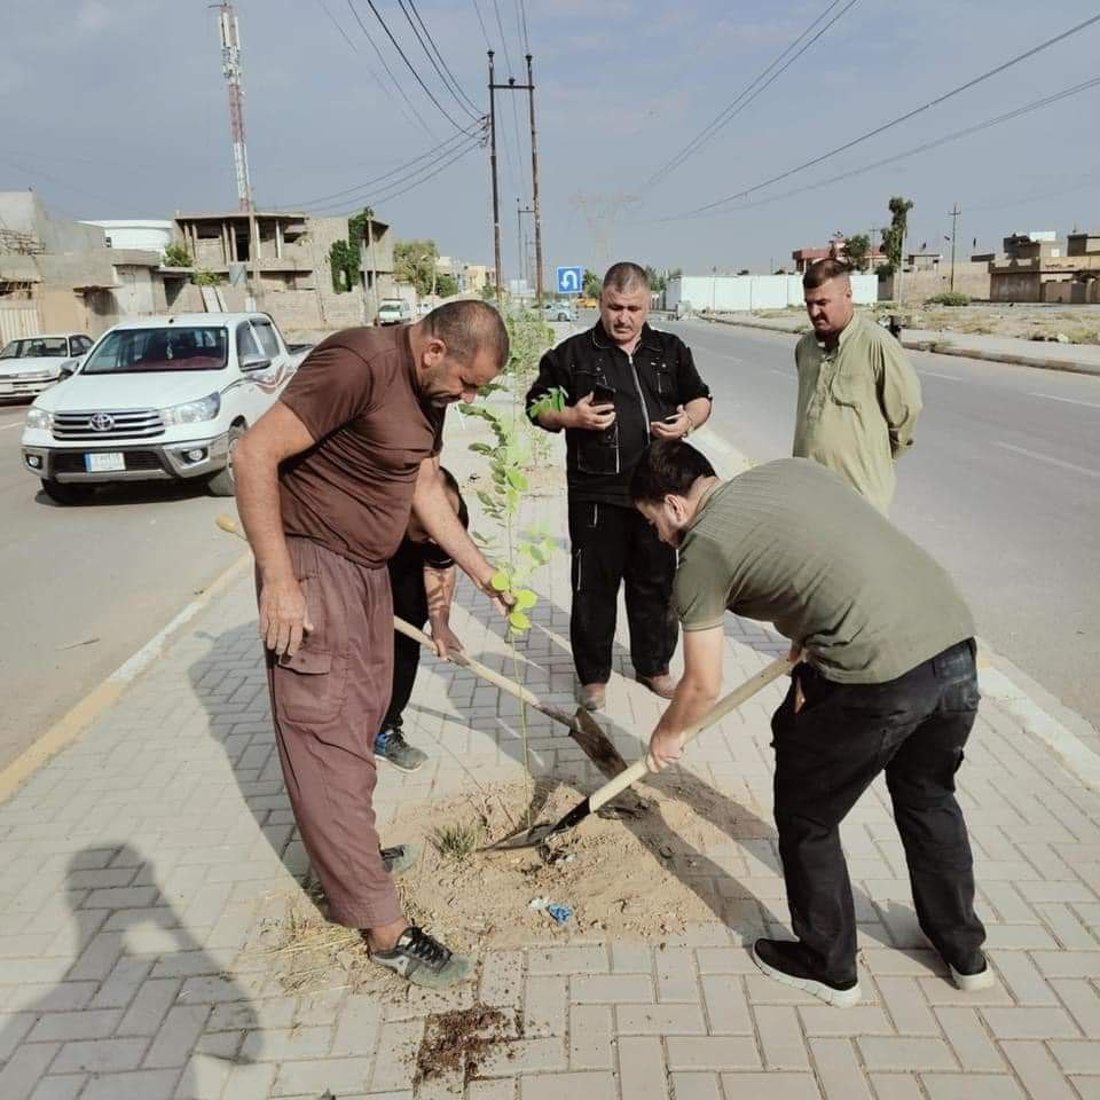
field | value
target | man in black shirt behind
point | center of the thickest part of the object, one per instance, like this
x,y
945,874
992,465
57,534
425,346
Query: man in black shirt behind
x,y
422,578
614,389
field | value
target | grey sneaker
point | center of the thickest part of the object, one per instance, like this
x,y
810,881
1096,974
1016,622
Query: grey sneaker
x,y
390,745
400,858
424,961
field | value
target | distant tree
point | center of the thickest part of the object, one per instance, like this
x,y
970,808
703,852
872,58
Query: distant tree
x,y
893,236
744,271
857,249
446,286
658,280
414,262
593,284
176,254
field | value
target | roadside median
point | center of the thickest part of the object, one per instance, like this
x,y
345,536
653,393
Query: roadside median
x,y
1074,359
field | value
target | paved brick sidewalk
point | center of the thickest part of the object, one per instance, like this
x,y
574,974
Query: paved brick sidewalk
x,y
139,867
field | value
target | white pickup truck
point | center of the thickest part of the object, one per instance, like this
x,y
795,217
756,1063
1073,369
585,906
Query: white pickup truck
x,y
157,399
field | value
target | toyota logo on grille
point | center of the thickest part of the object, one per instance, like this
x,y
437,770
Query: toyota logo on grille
x,y
102,422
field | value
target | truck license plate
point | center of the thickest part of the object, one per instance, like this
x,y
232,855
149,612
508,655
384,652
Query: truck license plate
x,y
105,462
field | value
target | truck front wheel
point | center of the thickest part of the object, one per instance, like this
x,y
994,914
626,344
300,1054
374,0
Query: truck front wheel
x,y
61,492
223,484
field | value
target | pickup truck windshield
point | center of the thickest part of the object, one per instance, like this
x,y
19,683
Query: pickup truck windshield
x,y
147,350
35,347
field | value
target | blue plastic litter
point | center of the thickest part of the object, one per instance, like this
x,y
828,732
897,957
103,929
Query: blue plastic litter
x,y
560,913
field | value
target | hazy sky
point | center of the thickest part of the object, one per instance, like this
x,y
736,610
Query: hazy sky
x,y
117,109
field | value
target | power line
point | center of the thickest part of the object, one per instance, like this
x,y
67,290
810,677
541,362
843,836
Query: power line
x,y
454,81
484,32
521,24
442,149
440,66
389,193
516,176
955,135
408,64
750,91
897,121
389,72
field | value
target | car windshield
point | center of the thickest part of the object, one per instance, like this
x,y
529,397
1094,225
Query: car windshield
x,y
35,347
145,350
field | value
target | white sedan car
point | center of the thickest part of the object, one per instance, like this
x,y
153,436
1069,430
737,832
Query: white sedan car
x,y
34,363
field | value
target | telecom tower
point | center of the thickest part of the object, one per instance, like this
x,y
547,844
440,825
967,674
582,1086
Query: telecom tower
x,y
231,67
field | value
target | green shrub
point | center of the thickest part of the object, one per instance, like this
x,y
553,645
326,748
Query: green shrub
x,y
948,298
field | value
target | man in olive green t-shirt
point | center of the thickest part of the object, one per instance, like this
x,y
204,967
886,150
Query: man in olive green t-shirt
x,y
886,681
858,397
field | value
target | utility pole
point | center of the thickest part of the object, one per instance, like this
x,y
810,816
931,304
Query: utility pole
x,y
954,212
535,187
373,265
512,86
493,166
519,237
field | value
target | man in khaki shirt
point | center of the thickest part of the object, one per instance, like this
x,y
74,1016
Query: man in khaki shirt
x,y
858,397
886,683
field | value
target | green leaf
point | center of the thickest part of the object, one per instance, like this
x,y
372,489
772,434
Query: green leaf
x,y
517,479
525,599
499,581
518,621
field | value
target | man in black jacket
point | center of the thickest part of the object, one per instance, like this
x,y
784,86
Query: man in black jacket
x,y
614,389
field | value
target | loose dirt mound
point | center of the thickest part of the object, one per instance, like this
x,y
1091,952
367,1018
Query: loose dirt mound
x,y
641,874
659,861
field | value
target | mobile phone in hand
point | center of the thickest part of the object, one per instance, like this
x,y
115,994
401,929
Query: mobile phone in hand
x,y
603,395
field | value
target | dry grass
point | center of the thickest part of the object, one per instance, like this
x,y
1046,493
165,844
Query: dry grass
x,y
457,842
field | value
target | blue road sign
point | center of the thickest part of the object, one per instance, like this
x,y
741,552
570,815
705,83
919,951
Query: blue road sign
x,y
570,280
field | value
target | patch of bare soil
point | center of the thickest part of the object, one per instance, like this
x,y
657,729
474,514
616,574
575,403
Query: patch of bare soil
x,y
641,872
641,869
455,1043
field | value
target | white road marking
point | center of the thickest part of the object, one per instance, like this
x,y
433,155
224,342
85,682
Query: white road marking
x,y
1048,458
1067,400
13,424
787,374
936,374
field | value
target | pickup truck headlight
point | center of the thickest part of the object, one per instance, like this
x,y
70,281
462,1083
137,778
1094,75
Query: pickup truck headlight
x,y
39,419
193,412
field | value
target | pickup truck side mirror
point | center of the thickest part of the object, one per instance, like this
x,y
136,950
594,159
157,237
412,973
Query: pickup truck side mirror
x,y
255,362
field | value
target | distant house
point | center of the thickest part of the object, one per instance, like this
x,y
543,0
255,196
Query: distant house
x,y
1034,268
58,274
282,260
804,257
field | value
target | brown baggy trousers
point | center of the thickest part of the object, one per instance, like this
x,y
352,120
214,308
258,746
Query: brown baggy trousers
x,y
327,702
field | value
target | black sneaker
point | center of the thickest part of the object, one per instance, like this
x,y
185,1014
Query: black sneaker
x,y
422,960
976,975
400,858
785,961
390,745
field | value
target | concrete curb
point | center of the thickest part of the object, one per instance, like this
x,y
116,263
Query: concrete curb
x,y
1069,366
74,722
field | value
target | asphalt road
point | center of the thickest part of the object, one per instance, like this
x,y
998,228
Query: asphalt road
x,y
1002,486
84,587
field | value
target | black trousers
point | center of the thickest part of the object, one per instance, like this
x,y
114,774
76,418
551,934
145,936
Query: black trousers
x,y
612,545
410,602
826,756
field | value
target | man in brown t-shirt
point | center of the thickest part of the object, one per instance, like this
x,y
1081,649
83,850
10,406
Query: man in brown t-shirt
x,y
325,483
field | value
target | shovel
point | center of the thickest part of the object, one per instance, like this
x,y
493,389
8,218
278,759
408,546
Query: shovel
x,y
538,835
584,729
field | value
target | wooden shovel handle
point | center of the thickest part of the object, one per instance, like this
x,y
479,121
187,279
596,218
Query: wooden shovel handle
x,y
486,673
716,713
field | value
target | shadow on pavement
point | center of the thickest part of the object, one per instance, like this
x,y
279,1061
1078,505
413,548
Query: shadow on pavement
x,y
115,948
